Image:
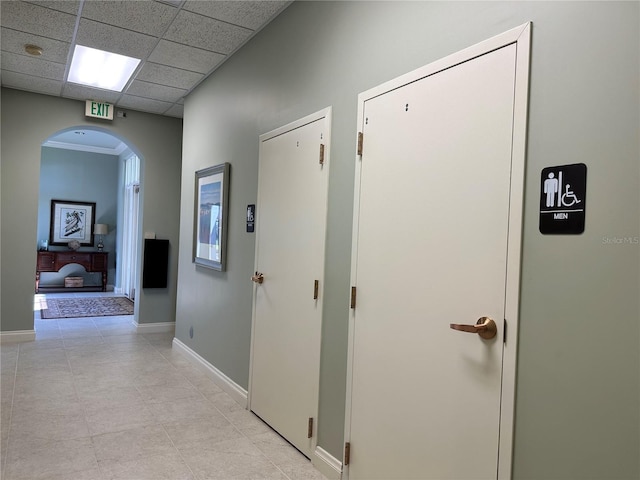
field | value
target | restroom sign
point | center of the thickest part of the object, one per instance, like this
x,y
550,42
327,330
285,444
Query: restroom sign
x,y
251,218
563,199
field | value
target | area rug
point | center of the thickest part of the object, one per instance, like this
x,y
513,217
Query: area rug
x,y
86,307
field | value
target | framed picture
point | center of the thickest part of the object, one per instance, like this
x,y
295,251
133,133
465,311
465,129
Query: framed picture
x,y
210,217
72,221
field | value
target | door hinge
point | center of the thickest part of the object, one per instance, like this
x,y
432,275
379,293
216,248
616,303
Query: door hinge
x,y
310,428
360,142
347,453
504,331
316,287
322,154
353,297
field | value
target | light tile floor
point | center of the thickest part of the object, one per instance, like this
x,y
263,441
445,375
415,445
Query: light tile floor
x,y
92,400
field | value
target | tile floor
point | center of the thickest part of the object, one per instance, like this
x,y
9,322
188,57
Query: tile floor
x,y
92,400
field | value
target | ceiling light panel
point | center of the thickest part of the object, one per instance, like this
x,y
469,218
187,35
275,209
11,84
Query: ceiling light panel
x,y
100,69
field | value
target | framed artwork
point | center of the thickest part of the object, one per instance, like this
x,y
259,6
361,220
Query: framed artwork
x,y
210,217
72,221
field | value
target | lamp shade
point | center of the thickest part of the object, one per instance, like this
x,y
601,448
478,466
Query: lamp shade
x,y
100,229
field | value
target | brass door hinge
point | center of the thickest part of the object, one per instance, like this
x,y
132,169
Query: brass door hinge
x,y
360,142
322,154
310,428
353,297
347,453
316,288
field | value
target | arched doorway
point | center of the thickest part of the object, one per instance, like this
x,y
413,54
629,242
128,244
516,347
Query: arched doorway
x,y
90,164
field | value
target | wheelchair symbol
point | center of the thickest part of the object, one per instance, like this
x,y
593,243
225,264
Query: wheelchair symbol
x,y
569,195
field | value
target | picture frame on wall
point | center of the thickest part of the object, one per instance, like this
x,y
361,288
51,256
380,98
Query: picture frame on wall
x,y
72,220
210,217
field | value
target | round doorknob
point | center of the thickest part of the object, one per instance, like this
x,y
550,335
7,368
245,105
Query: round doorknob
x,y
485,327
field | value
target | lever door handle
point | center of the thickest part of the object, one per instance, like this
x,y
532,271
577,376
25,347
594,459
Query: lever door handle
x,y
257,278
485,327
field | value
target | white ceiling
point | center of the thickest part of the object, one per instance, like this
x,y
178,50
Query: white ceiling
x,y
180,43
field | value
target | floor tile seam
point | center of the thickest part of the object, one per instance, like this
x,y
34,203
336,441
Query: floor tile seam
x,y
98,365
95,455
222,413
48,440
58,473
141,456
104,475
77,395
125,429
270,461
244,435
47,320
192,383
180,453
159,402
147,403
255,443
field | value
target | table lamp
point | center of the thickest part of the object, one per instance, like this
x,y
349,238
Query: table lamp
x,y
100,229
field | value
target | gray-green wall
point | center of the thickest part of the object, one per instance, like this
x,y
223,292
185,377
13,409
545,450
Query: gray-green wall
x,y
27,121
577,408
85,177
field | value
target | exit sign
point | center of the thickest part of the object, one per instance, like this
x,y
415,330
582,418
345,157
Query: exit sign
x,y
98,110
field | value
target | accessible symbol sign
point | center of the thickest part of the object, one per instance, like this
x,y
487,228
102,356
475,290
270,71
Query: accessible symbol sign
x,y
563,199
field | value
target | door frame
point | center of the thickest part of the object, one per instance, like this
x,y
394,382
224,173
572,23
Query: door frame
x,y
326,115
521,37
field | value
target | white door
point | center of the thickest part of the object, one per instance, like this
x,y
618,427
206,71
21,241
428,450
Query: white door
x,y
431,245
290,246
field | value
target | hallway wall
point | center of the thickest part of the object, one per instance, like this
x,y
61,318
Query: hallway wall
x,y
577,409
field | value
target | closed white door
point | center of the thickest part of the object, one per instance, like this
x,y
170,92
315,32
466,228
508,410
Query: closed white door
x,y
431,245
290,246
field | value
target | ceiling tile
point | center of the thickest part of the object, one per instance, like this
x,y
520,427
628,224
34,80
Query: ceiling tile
x,y
151,18
173,77
29,65
81,92
31,83
246,14
185,57
143,104
175,3
39,20
178,41
53,50
176,111
67,6
204,32
114,39
156,92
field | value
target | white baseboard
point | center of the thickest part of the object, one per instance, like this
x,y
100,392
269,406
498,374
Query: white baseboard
x,y
327,464
236,392
161,327
17,336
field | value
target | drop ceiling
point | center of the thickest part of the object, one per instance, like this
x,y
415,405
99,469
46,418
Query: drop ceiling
x,y
179,42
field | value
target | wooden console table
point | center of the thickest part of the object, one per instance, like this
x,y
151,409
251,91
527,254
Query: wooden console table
x,y
51,261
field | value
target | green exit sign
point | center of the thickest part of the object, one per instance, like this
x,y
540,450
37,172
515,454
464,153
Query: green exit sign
x,y
98,110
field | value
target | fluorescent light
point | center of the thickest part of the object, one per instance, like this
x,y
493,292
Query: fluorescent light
x,y
97,68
